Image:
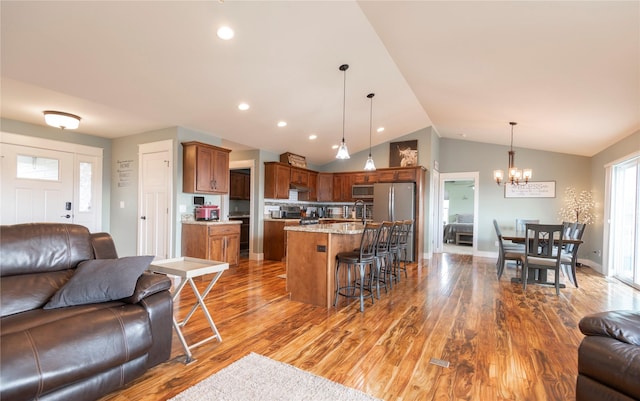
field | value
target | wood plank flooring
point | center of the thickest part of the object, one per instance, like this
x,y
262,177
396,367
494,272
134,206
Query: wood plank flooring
x,y
501,343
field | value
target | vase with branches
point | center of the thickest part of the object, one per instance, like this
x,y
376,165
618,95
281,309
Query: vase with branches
x,y
578,207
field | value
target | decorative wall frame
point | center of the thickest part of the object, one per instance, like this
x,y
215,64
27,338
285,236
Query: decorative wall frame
x,y
534,189
403,154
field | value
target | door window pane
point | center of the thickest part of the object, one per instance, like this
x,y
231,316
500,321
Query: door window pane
x,y
37,168
85,188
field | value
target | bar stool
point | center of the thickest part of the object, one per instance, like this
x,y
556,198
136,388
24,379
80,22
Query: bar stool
x,y
403,245
355,262
384,258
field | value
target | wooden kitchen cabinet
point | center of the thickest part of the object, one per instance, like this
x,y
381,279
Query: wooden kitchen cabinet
x,y
406,174
363,178
324,188
313,186
299,177
277,177
275,238
239,186
341,187
214,241
205,168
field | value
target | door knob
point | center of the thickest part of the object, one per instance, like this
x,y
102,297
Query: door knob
x,y
67,216
143,217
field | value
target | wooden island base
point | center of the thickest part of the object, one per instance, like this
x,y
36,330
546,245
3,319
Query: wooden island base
x,y
311,255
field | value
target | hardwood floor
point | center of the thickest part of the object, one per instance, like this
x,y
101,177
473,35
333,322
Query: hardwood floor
x,y
501,343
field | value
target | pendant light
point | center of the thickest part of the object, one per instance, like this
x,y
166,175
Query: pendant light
x,y
343,152
369,165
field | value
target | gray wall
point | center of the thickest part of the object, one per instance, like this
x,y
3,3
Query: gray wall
x,y
565,170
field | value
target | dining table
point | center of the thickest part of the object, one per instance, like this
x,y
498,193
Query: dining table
x,y
539,276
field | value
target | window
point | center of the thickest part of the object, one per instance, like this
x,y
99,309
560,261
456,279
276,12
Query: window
x,y
85,189
37,168
624,242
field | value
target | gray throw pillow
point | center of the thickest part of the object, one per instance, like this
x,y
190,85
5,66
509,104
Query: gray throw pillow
x,y
100,280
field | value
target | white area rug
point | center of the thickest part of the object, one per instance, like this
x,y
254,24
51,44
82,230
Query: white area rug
x,y
256,377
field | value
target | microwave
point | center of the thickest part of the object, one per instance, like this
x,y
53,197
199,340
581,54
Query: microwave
x,y
362,191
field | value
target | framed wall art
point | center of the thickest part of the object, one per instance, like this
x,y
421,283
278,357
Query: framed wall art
x,y
533,189
403,154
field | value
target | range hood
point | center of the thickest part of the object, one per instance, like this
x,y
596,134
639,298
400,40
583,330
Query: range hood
x,y
298,187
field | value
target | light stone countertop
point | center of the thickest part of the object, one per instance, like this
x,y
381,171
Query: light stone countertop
x,y
335,228
211,223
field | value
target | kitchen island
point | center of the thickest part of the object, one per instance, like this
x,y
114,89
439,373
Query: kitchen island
x,y
311,259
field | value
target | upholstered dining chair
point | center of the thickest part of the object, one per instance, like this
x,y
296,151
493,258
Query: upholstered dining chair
x,y
355,282
506,251
542,242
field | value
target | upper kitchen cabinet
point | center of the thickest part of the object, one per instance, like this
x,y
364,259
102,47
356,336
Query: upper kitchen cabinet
x,y
398,174
364,178
277,177
205,168
240,186
313,186
325,187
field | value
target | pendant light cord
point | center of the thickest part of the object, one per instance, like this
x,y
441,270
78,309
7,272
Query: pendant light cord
x,y
370,96
344,97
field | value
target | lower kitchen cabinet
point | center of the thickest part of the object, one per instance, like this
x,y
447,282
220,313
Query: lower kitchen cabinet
x,y
275,238
214,241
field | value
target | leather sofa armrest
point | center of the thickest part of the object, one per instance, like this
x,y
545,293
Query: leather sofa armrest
x,y
148,284
621,325
614,364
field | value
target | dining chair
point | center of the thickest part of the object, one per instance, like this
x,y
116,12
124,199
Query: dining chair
x,y
506,251
569,253
542,242
522,223
355,263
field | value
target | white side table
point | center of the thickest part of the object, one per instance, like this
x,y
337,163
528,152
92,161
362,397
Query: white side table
x,y
187,268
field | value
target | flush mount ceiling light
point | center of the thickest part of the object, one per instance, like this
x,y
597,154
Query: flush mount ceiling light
x,y
61,119
282,124
243,106
516,176
369,165
343,152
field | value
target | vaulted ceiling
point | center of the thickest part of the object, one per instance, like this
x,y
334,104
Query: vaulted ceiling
x,y
567,71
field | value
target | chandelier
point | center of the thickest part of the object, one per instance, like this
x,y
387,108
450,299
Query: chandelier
x,y
343,152
516,176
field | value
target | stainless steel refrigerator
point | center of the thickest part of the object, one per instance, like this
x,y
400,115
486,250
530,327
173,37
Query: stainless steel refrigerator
x,y
392,202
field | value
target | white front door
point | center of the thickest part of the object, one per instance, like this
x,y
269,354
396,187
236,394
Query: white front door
x,y
155,206
37,185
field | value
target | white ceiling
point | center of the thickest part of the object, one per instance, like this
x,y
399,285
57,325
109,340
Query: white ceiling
x,y
567,72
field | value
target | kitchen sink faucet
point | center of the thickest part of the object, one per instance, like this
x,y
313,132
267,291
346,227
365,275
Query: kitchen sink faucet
x,y
364,210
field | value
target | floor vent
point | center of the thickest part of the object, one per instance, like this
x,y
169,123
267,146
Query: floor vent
x,y
439,362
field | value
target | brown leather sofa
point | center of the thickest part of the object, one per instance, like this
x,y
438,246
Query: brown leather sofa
x,y
78,352
609,357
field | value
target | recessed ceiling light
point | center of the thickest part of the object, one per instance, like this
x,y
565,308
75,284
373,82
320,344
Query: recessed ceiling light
x,y
380,129
225,33
313,136
243,106
282,123
334,147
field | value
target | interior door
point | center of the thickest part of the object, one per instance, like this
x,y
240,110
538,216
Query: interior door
x,y
154,224
37,185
